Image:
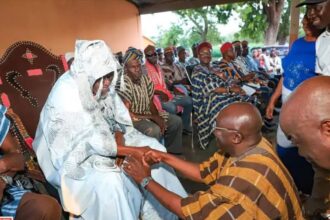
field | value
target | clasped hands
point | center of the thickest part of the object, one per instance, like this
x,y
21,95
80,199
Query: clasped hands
x,y
138,165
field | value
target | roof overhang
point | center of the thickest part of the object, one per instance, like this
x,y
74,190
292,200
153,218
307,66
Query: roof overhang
x,y
154,6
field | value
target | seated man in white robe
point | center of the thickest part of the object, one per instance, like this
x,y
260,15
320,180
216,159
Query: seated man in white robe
x,y
83,128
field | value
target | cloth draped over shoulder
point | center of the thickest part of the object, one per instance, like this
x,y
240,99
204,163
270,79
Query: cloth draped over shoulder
x,y
207,103
155,74
75,143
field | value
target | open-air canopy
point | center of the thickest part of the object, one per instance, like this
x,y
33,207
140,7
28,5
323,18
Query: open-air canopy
x,y
154,6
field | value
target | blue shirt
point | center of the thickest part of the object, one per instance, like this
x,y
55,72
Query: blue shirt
x,y
251,63
299,64
8,207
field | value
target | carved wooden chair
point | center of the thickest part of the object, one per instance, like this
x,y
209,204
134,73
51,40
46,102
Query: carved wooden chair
x,y
27,73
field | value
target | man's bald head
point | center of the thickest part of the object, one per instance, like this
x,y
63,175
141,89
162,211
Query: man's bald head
x,y
305,118
243,117
243,123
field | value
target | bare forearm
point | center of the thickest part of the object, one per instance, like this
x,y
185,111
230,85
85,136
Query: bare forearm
x,y
125,150
188,169
277,93
168,199
12,162
153,108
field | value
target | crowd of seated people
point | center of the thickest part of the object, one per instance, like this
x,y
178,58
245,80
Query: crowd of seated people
x,y
177,89
110,133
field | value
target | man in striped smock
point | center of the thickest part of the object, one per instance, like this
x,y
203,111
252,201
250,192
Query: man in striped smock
x,y
247,180
210,93
137,95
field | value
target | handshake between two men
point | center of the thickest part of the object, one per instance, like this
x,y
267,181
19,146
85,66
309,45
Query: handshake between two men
x,y
138,166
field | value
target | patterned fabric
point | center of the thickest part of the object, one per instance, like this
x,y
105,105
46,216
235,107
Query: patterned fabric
x,y
132,54
299,64
206,102
155,74
12,194
139,95
173,72
239,63
4,123
255,185
230,70
9,207
193,61
234,74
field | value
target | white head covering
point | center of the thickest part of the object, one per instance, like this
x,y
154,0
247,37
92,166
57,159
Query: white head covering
x,y
93,60
68,56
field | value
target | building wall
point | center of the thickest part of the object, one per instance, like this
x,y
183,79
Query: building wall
x,y
56,24
147,41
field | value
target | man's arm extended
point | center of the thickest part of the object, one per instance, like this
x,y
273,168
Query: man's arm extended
x,y
188,169
139,171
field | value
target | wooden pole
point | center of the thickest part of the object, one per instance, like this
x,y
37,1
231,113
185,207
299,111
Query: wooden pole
x,y
294,21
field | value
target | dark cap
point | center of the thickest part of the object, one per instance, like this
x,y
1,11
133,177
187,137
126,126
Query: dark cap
x,y
179,49
310,2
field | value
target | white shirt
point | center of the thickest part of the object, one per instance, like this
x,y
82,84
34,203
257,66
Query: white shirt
x,y
275,65
323,53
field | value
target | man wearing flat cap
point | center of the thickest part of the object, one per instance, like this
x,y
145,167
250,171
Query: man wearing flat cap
x,y
319,12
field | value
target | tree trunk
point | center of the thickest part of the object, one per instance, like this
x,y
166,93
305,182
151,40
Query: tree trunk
x,y
273,10
282,40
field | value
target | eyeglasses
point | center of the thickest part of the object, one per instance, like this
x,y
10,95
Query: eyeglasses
x,y
206,53
229,130
151,55
225,129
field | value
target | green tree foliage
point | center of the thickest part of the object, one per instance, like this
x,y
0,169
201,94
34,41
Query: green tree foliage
x,y
284,30
204,20
200,25
172,36
264,20
254,21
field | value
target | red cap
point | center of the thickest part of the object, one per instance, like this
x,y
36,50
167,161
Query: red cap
x,y
204,44
225,47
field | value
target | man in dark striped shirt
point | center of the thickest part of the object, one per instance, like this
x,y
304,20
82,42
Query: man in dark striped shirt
x,y
247,180
138,96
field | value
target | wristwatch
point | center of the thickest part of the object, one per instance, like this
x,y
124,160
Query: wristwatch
x,y
145,181
6,179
